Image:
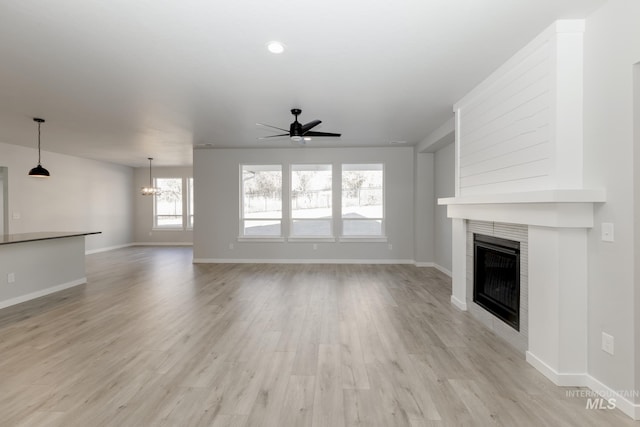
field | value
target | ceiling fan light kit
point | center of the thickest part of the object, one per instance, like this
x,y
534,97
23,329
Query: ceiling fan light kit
x,y
39,171
298,132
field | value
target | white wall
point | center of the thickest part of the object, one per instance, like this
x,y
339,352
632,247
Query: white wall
x,y
217,204
144,232
636,208
3,204
611,48
80,195
444,179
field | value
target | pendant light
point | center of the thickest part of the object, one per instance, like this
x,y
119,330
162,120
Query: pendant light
x,y
150,190
39,171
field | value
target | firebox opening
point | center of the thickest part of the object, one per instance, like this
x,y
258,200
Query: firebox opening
x,y
496,279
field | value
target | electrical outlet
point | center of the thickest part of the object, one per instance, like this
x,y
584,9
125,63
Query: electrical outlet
x,y
151,233
16,215
607,343
11,278
315,246
607,231
390,247
230,246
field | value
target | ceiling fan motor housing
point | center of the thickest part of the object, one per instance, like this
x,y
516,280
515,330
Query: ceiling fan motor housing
x,y
295,129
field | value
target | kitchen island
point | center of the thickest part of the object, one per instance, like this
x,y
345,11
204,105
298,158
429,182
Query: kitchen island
x,y
37,264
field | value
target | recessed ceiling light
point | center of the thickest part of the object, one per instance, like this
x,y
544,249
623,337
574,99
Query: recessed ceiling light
x,y
275,47
398,142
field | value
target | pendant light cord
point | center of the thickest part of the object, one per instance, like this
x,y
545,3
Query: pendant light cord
x,y
39,143
150,180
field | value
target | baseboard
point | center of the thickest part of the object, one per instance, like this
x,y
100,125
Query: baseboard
x,y
564,380
108,248
162,244
41,293
299,261
442,269
432,265
423,264
461,305
622,402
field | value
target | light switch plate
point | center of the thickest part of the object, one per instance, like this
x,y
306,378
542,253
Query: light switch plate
x,y
607,343
607,231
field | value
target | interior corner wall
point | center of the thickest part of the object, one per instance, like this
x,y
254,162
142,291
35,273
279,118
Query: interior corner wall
x,y
80,195
216,229
3,205
144,231
611,49
636,209
424,205
444,177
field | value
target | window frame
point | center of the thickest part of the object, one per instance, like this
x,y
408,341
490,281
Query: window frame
x,y
382,237
155,225
241,218
187,213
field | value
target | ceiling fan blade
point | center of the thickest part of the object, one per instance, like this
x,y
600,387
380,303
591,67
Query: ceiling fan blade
x,y
273,136
313,133
308,126
274,127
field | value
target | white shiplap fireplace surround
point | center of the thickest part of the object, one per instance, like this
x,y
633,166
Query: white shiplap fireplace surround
x,y
519,161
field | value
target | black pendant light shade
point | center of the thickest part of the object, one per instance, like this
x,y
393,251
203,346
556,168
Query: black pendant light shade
x,y
39,171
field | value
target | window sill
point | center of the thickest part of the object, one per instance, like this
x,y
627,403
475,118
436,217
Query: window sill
x,y
266,239
363,239
311,239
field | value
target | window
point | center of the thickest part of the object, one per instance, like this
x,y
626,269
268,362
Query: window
x,y
311,212
261,200
168,204
190,205
172,209
363,200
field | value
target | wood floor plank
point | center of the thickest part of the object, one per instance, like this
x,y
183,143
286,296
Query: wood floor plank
x,y
297,407
154,340
328,404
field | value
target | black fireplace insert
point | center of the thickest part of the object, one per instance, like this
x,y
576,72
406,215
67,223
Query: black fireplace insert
x,y
496,278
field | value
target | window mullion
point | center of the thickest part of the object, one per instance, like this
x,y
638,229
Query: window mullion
x,y
336,193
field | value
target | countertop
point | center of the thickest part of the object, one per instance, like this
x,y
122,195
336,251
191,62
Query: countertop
x,y
7,239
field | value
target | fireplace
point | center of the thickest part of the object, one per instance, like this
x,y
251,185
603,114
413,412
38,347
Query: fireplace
x,y
496,284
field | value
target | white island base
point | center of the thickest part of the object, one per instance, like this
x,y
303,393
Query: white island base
x,y
37,264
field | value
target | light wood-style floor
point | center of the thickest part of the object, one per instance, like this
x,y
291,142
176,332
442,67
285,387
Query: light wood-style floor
x,y
153,340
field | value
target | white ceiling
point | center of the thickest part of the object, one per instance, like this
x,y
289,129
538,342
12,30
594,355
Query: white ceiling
x,y
121,80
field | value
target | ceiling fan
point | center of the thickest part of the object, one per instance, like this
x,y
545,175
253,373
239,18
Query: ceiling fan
x,y
298,132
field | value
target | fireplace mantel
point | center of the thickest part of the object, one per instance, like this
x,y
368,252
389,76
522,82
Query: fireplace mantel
x,y
543,196
547,208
